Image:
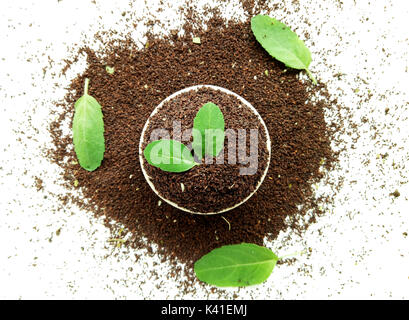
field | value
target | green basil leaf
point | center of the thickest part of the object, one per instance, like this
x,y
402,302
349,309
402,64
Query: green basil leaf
x,y
208,131
236,265
282,43
169,155
88,131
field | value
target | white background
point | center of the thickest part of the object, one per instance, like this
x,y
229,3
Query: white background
x,y
359,247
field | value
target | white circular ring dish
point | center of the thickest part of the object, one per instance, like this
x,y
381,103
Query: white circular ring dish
x,y
195,88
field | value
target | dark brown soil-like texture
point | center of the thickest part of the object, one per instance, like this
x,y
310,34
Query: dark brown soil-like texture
x,y
216,184
229,57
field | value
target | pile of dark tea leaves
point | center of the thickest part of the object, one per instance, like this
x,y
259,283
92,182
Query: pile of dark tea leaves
x,y
129,83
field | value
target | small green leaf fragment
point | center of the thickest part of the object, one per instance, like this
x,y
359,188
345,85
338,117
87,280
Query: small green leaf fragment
x,y
208,131
196,40
110,70
281,43
88,131
169,155
236,265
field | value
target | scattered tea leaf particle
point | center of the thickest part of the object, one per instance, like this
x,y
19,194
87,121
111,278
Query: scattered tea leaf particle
x,y
76,183
118,242
396,194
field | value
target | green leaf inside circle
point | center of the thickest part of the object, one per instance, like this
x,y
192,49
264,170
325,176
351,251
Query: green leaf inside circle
x,y
169,155
88,131
281,43
208,131
236,265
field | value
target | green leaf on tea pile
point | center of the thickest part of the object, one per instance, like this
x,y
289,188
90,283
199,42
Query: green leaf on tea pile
x,y
110,70
236,265
88,131
282,43
208,131
169,155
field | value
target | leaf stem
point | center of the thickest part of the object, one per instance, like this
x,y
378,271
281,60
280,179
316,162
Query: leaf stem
x,y
227,222
314,81
86,84
293,254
